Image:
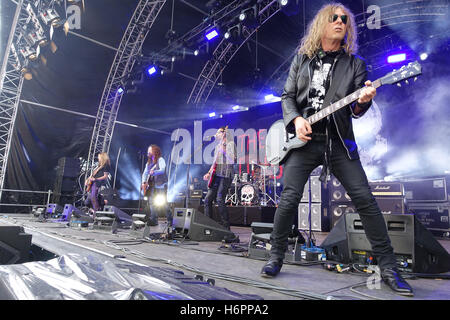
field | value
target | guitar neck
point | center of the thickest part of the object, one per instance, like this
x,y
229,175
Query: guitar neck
x,y
325,112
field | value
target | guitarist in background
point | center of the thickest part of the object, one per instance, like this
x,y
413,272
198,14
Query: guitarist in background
x,y
98,179
326,62
220,176
154,185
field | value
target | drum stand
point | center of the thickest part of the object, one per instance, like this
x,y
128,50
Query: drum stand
x,y
264,202
233,198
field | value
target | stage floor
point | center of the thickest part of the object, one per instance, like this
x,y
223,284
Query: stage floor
x,y
229,268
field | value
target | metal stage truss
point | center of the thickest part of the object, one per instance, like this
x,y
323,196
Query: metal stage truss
x,y
11,81
223,54
129,50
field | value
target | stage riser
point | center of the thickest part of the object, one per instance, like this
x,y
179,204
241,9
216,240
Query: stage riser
x,y
244,216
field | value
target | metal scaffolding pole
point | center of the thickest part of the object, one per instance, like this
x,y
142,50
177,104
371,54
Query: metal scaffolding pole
x,y
129,50
11,82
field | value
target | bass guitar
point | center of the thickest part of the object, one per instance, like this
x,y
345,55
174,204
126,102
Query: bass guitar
x,y
279,142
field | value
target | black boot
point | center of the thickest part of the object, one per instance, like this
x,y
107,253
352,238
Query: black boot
x,y
272,268
392,277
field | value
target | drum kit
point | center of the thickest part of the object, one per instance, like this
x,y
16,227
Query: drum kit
x,y
254,189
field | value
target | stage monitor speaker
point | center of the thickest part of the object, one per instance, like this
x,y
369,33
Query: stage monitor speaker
x,y
415,247
15,245
70,210
123,219
199,227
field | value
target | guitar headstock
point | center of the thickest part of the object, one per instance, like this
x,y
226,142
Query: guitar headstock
x,y
411,70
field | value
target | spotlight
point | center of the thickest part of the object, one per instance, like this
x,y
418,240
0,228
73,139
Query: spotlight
x,y
234,34
51,17
271,98
212,114
423,56
250,16
29,53
211,34
236,107
151,70
120,90
159,200
196,52
399,57
289,7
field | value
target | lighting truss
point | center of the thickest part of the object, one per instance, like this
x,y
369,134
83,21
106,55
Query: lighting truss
x,y
223,54
129,49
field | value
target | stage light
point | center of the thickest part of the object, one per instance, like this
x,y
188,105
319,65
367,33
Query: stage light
x,y
399,57
159,200
236,107
120,90
242,16
234,34
423,56
196,52
271,98
289,7
51,17
249,17
211,34
212,114
151,70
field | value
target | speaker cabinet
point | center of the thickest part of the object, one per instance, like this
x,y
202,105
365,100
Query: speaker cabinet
x,y
319,217
415,247
197,226
337,192
319,191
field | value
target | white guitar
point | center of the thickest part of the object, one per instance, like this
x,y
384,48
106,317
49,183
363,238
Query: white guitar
x,y
279,143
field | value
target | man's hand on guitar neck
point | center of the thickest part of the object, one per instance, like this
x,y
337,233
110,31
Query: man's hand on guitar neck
x,y
302,129
144,186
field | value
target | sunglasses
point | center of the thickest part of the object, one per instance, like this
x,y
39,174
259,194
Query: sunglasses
x,y
334,17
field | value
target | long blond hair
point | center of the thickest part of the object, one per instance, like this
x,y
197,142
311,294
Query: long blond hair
x,y
311,42
104,159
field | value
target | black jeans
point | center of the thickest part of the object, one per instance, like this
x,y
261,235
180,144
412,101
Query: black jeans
x,y
218,191
350,173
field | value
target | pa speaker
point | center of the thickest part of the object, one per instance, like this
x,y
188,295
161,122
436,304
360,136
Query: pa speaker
x,y
15,245
199,227
415,248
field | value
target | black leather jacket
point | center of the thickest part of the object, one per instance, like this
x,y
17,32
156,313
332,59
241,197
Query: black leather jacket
x,y
348,73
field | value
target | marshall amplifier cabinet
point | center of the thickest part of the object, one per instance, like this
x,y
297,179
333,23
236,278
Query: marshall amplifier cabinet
x,y
337,192
319,192
387,189
426,190
434,216
386,205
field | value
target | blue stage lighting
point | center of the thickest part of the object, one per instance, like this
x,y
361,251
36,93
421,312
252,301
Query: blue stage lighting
x,y
151,70
394,58
423,56
212,114
211,34
236,107
120,90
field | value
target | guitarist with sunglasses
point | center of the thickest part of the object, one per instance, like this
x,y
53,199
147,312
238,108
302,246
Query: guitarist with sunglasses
x,y
326,69
154,185
220,175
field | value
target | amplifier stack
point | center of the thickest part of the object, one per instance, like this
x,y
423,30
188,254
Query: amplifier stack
x,y
428,200
320,220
